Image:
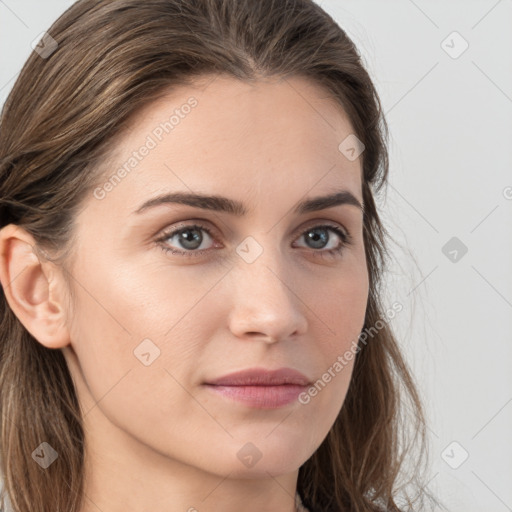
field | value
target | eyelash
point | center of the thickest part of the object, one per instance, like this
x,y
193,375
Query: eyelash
x,y
346,240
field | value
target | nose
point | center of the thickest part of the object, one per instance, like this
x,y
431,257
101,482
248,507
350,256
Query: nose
x,y
266,301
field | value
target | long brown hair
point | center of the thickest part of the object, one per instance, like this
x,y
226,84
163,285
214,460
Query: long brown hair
x,y
57,129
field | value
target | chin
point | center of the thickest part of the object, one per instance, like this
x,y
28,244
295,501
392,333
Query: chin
x,y
275,455
263,469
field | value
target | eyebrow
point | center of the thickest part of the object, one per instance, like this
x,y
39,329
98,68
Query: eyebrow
x,y
233,207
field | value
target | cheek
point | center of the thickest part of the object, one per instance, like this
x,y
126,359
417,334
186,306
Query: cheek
x,y
344,304
141,320
133,373
136,301
159,297
343,309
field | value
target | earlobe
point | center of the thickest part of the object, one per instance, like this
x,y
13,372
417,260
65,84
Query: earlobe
x,y
31,288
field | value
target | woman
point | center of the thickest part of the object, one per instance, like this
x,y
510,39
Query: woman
x,y
190,266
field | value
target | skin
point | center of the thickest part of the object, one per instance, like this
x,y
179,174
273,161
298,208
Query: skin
x,y
156,438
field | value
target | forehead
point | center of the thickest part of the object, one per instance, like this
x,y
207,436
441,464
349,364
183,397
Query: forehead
x,y
223,134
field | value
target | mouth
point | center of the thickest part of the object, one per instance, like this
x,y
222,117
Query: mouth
x,y
261,388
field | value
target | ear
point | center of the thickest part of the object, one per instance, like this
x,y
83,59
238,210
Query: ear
x,y
33,288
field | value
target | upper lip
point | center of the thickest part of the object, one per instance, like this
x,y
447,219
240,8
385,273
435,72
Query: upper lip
x,y
262,377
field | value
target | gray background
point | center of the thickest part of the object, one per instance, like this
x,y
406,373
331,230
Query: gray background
x,y
450,118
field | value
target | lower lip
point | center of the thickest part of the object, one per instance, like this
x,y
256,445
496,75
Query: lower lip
x,y
261,397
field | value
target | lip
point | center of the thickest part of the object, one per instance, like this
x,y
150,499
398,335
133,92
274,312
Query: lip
x,y
262,377
261,388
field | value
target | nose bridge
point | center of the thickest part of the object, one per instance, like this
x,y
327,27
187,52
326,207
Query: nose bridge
x,y
261,260
265,301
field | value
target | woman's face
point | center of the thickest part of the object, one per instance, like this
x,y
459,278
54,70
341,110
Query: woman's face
x,y
264,289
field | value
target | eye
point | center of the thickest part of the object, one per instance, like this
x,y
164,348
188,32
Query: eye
x,y
318,238
190,239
